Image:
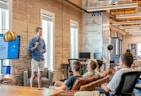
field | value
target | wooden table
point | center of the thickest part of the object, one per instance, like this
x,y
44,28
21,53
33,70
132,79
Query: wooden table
x,y
7,90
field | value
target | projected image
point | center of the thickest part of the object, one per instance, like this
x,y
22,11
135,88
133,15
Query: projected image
x,y
9,50
13,49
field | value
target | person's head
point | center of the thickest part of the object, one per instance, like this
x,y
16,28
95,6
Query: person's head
x,y
99,63
38,31
126,59
128,50
91,65
76,66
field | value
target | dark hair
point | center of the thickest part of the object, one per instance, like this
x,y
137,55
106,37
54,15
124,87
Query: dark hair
x,y
99,62
76,65
37,29
93,64
128,50
127,59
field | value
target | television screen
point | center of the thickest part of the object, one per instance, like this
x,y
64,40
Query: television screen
x,y
85,55
9,50
98,56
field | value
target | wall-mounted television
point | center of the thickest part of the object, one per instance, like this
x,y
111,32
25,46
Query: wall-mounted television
x,y
84,55
9,50
98,56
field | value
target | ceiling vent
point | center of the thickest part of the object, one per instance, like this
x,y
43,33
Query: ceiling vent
x,y
116,2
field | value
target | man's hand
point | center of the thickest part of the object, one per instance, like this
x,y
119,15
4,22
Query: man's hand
x,y
104,86
42,51
37,44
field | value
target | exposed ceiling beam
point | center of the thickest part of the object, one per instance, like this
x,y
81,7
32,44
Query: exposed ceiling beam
x,y
130,27
126,22
128,16
116,29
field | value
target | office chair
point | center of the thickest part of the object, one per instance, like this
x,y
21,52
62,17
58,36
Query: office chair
x,y
126,85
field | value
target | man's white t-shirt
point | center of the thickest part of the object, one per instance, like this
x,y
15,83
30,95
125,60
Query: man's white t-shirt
x,y
113,84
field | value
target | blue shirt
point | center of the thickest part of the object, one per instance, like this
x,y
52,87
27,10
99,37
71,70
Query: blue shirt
x,y
71,81
36,54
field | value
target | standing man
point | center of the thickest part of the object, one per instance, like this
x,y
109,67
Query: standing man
x,y
37,48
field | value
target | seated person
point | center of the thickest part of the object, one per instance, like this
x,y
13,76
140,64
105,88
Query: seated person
x,y
91,66
69,83
126,60
99,64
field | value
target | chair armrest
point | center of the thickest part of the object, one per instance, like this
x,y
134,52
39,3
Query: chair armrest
x,y
50,76
57,92
9,81
67,93
25,77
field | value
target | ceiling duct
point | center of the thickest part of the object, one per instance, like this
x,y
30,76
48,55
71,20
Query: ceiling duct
x,y
102,5
76,6
116,2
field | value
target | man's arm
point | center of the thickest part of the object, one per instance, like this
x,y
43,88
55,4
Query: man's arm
x,y
104,86
43,50
101,74
138,85
113,84
32,46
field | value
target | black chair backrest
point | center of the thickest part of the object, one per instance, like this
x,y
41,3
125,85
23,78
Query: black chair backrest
x,y
127,82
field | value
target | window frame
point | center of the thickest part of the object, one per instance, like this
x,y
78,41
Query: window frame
x,y
7,6
76,24
45,12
